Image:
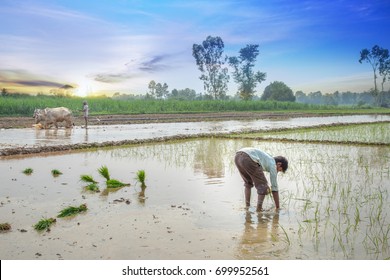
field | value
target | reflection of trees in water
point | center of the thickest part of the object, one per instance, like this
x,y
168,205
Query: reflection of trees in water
x,y
209,158
212,156
260,236
177,154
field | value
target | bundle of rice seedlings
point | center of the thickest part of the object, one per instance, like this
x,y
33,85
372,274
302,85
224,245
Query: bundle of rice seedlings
x,y
56,172
112,184
28,171
71,211
44,224
5,227
87,179
92,187
104,172
141,176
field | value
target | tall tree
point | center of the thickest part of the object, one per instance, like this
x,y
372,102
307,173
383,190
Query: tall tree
x,y
152,89
384,71
377,58
243,73
278,91
4,92
161,90
210,62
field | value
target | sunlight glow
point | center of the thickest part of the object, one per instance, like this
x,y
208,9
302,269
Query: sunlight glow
x,y
83,89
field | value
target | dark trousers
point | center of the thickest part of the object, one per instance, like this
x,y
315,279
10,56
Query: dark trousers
x,y
251,172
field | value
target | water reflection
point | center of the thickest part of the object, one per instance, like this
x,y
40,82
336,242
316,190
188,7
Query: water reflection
x,y
86,136
208,158
261,234
331,211
141,195
48,136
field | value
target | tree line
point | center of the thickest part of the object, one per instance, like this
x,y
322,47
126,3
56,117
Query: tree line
x,y
379,59
214,68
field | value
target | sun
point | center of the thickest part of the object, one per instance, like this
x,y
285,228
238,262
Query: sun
x,y
83,89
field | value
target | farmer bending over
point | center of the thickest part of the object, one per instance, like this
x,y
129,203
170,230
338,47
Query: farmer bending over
x,y
251,164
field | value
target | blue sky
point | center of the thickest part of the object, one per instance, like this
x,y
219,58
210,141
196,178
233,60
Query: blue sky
x,y
121,45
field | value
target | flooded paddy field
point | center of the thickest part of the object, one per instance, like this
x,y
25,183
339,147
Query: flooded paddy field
x,y
334,198
377,133
28,139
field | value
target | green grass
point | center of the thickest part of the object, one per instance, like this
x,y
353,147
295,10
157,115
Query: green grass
x,y
25,106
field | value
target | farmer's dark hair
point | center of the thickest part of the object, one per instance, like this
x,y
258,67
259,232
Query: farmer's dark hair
x,y
283,161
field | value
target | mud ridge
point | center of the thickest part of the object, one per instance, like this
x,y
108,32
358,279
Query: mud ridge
x,y
85,146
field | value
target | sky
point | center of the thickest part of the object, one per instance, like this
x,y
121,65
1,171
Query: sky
x,y
108,46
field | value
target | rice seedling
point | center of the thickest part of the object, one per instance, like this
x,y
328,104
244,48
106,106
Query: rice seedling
x,y
28,171
357,217
72,210
5,227
104,172
141,176
113,184
285,233
87,179
56,172
92,187
44,224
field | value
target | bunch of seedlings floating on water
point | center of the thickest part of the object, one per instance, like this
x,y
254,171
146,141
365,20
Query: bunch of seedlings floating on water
x,y
72,210
28,171
5,227
92,184
56,173
110,183
44,224
141,176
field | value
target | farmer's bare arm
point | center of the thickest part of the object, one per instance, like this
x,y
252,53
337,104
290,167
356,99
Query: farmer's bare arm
x,y
276,199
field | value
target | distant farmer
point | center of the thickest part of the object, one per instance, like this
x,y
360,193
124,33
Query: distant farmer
x,y
251,164
85,113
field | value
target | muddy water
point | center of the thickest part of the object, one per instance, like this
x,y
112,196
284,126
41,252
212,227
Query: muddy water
x,y
11,138
193,205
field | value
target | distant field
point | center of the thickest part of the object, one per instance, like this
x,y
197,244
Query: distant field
x,y
372,133
25,105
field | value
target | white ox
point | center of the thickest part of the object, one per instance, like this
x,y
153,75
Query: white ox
x,y
49,116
